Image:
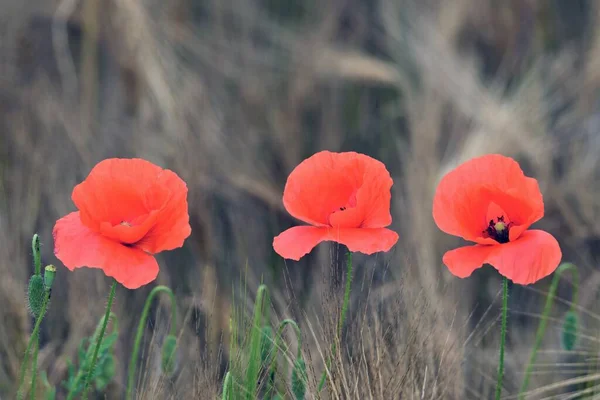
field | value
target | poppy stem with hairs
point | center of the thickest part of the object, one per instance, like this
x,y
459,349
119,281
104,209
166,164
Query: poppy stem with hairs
x,y
33,339
90,373
140,332
502,337
34,362
342,315
346,292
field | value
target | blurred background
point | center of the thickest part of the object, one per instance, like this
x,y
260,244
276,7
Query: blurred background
x,y
232,95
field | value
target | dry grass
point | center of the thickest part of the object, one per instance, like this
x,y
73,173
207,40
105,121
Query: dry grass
x,y
232,94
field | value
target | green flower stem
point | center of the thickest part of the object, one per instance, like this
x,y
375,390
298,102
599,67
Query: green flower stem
x,y
34,366
539,336
346,293
90,373
342,316
140,333
502,337
33,339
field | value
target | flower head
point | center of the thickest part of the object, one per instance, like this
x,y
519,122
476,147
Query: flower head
x,y
489,200
129,209
345,197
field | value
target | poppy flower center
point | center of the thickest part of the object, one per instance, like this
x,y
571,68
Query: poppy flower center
x,y
344,214
498,230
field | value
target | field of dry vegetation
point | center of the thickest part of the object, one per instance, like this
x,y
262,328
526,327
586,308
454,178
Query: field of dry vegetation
x,y
232,95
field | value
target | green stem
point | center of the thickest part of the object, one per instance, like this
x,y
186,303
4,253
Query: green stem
x,y
34,366
342,316
539,336
502,337
90,373
140,333
32,339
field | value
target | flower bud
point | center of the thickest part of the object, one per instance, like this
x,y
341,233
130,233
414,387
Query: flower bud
x,y
569,331
36,295
299,379
266,344
49,274
168,355
35,248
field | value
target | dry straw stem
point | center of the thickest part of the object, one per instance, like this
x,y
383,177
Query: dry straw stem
x,y
232,98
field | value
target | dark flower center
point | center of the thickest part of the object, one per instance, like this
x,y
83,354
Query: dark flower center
x,y
498,230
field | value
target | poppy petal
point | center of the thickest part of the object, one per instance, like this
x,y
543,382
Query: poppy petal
x,y
463,261
172,226
364,240
115,191
78,246
464,195
372,199
298,241
340,189
129,233
535,255
375,196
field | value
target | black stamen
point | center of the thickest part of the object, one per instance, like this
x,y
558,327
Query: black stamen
x,y
499,235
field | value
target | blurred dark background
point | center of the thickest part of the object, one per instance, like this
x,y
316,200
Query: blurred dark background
x,y
232,94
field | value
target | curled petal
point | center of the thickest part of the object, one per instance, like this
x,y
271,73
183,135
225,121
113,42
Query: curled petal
x,y
464,195
78,246
298,241
115,192
463,261
345,190
364,240
172,226
129,233
535,255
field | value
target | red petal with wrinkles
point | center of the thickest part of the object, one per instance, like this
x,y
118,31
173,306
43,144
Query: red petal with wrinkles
x,y
533,256
364,240
320,186
78,246
464,196
298,241
346,196
135,202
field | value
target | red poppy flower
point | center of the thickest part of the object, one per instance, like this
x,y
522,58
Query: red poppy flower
x,y
129,209
489,200
345,197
